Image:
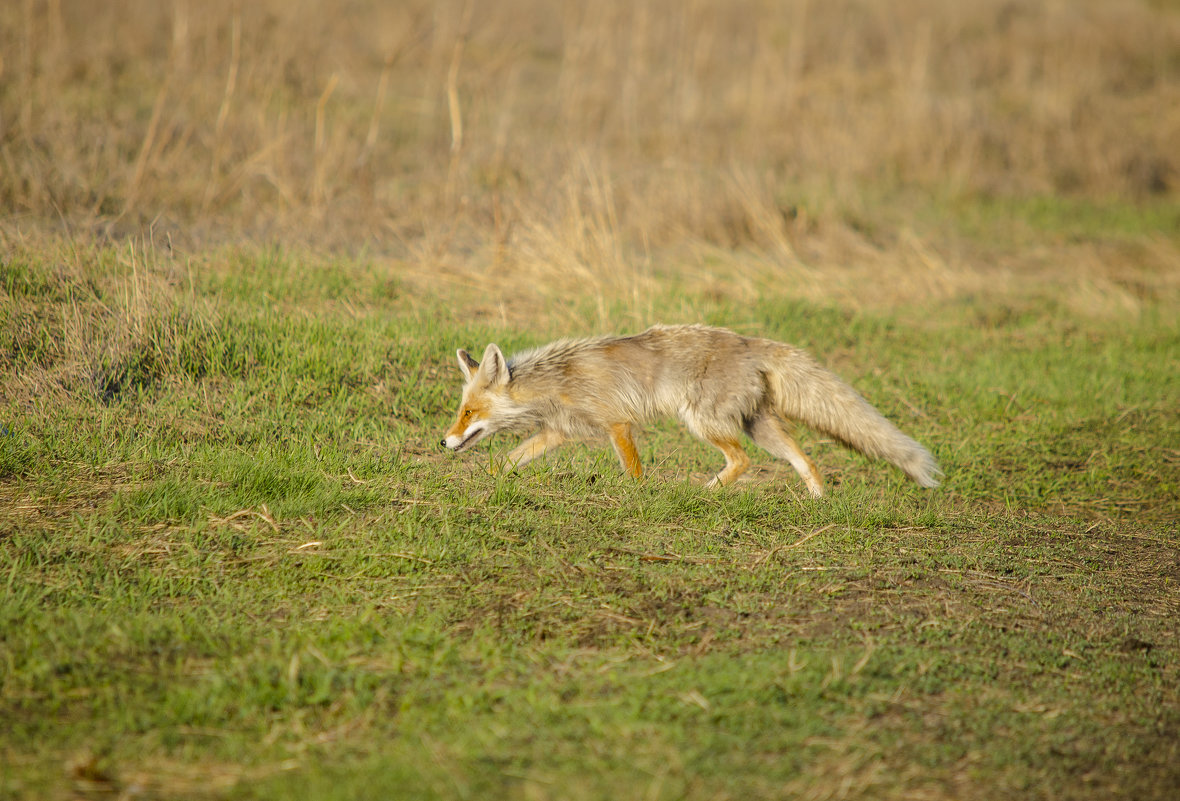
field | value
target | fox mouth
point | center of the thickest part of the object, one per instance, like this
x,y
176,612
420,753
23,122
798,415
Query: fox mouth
x,y
474,435
470,440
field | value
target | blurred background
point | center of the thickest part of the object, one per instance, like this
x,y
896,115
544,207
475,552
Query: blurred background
x,y
605,141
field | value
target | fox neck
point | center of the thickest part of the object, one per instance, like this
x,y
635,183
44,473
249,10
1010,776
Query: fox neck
x,y
516,412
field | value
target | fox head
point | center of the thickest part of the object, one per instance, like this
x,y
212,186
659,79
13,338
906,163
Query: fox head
x,y
484,398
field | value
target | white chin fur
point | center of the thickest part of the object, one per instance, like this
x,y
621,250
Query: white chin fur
x,y
472,435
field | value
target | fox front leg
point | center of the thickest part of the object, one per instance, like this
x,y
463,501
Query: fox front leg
x,y
534,446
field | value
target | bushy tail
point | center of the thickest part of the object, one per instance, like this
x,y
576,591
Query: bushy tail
x,y
804,391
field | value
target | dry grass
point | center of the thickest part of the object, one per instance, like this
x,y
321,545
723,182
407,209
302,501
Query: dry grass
x,y
596,147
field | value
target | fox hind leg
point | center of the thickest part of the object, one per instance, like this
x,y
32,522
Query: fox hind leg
x,y
624,442
736,461
769,432
723,435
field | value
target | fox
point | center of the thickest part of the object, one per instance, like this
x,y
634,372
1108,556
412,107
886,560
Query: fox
x,y
719,384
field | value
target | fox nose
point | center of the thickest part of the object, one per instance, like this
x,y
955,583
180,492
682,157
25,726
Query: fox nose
x,y
442,442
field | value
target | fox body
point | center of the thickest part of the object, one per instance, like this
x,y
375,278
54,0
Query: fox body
x,y
721,385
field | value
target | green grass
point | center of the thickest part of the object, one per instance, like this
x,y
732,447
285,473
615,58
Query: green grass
x,y
234,564
1076,219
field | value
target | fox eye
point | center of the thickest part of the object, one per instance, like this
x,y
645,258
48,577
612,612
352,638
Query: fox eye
x,y
466,413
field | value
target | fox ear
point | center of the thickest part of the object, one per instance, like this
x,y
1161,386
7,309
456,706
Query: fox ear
x,y
467,364
495,367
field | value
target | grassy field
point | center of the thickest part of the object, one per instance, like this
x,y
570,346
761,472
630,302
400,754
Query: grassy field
x,y
240,243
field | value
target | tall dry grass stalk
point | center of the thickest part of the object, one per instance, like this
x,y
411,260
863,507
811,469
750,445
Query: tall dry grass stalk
x,y
574,144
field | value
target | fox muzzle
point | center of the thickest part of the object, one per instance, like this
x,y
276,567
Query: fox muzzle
x,y
472,435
